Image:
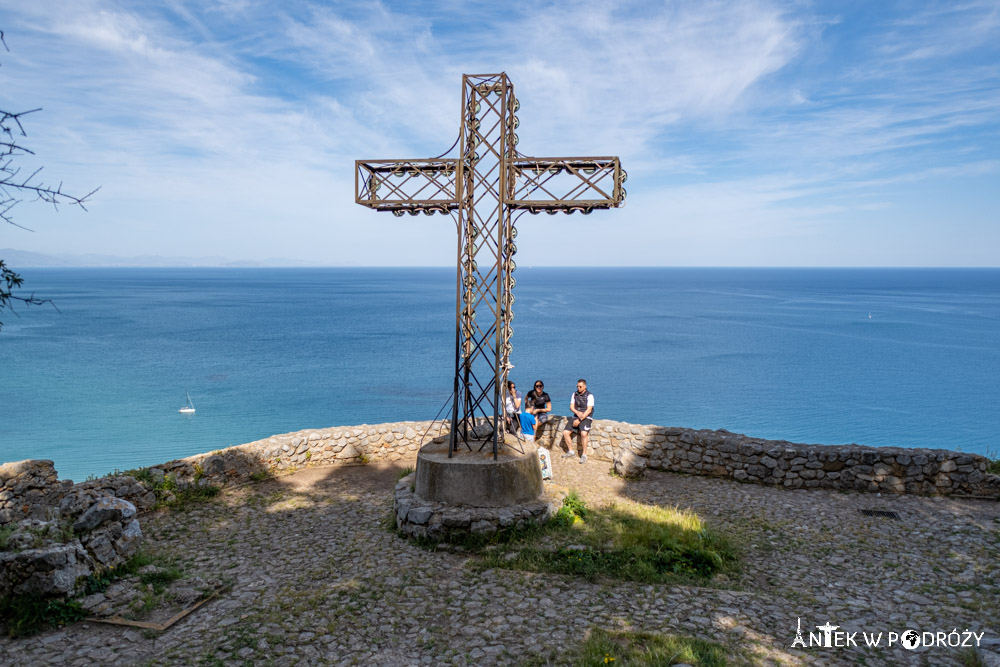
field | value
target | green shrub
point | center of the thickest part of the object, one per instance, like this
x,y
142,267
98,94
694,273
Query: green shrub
x,y
29,614
141,474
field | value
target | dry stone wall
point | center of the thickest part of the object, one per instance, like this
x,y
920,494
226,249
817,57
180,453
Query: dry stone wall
x,y
54,533
720,453
314,447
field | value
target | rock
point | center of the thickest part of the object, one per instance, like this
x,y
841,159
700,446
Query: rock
x,y
101,549
103,511
348,452
628,464
482,528
214,465
131,539
91,602
53,570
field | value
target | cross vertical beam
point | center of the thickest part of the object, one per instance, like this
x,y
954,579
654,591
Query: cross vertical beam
x,y
485,189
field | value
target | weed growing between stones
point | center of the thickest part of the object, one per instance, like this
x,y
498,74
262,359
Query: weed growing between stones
x,y
17,538
639,648
162,572
171,494
404,472
627,541
992,462
5,533
971,657
388,521
260,475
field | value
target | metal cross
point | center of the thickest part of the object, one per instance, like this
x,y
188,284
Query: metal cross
x,y
485,189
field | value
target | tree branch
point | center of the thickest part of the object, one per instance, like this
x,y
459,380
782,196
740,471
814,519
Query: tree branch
x,y
13,190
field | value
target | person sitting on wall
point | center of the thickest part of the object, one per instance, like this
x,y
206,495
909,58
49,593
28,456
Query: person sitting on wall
x,y
581,403
512,406
538,403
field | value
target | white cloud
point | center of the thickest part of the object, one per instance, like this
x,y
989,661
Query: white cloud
x,y
237,124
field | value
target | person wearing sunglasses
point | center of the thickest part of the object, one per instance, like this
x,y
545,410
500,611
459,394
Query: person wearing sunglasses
x,y
581,403
538,403
512,406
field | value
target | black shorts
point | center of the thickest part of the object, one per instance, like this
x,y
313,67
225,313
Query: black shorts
x,y
584,425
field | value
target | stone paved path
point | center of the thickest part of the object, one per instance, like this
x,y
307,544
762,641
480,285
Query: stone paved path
x,y
316,580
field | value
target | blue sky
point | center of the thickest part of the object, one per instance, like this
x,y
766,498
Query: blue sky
x,y
757,133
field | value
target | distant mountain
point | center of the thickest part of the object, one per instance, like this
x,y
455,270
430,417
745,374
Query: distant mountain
x,y
25,259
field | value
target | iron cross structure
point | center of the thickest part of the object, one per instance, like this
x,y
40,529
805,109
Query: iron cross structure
x,y
485,189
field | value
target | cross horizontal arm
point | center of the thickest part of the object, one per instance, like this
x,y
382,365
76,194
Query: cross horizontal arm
x,y
566,183
412,186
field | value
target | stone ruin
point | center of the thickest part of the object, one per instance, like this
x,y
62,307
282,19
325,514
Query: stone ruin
x,y
54,534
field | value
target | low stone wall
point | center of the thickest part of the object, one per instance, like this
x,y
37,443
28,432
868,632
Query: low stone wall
x,y
309,448
56,532
780,463
29,488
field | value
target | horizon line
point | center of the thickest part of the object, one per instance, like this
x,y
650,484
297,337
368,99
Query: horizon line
x,y
541,266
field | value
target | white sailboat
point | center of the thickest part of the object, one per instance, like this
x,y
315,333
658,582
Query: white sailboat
x,y
189,408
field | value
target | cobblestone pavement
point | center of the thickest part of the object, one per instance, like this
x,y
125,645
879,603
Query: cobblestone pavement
x,y
317,580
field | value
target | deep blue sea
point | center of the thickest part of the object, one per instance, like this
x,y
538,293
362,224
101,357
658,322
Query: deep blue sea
x,y
776,353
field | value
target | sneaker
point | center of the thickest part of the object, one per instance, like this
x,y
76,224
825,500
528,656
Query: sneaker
x,y
583,459
568,455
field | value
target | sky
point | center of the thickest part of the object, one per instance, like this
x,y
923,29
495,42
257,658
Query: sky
x,y
755,133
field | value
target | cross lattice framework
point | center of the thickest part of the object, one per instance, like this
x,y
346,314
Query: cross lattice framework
x,y
485,189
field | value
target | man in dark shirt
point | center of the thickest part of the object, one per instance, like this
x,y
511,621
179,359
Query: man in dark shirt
x,y
581,404
538,403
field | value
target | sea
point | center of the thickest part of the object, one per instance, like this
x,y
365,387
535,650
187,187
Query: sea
x,y
879,357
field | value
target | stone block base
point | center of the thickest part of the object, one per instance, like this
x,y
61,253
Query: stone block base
x,y
428,519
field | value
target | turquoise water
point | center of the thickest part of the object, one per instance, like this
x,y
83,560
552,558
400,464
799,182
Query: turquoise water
x,y
775,353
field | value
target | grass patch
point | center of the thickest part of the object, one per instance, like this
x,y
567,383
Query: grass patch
x,y
98,583
189,495
29,614
638,648
161,577
627,541
404,472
